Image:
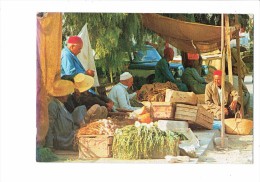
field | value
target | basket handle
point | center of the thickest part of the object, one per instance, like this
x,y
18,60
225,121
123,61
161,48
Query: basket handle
x,y
237,122
238,113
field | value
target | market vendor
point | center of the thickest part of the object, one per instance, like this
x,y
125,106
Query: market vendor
x,y
213,97
62,124
163,72
192,79
119,94
97,106
246,94
70,64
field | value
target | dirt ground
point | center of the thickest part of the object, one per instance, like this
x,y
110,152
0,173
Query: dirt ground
x,y
240,147
239,151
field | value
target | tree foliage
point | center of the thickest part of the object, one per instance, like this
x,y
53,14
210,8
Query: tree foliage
x,y
113,36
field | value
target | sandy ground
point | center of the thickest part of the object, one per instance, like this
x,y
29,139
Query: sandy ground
x,y
239,148
239,151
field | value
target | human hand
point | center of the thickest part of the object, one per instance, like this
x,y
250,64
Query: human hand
x,y
233,105
110,105
82,124
90,72
225,111
138,92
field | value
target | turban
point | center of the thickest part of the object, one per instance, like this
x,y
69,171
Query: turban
x,y
125,76
217,72
193,56
75,40
167,51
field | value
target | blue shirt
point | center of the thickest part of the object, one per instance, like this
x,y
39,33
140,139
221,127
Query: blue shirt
x,y
92,91
70,64
120,97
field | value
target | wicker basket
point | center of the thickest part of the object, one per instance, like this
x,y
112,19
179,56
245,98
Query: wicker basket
x,y
238,126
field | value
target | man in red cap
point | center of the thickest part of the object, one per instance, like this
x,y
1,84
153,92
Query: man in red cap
x,y
70,64
213,97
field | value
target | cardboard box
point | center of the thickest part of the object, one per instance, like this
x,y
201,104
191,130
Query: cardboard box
x,y
95,146
165,125
179,97
194,115
201,98
162,110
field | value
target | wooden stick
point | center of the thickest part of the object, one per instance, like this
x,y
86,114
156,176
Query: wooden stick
x,y
230,74
222,84
239,69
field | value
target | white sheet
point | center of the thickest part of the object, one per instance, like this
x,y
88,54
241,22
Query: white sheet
x,y
86,56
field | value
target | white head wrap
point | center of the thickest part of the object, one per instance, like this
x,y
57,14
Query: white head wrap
x,y
125,76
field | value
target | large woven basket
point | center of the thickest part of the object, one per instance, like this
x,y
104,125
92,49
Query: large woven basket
x,y
238,126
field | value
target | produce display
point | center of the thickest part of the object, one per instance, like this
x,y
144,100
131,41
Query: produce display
x,y
135,136
145,141
99,127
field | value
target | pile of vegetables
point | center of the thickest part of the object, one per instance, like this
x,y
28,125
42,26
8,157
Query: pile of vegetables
x,y
142,115
99,127
145,141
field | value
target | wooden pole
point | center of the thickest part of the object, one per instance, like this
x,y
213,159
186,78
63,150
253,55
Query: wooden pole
x,y
240,93
222,83
227,32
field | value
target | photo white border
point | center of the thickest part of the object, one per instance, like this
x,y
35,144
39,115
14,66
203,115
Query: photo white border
x,y
18,97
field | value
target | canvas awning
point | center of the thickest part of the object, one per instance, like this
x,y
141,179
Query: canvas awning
x,y
186,36
49,44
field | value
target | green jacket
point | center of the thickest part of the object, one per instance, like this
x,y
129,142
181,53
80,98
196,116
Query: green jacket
x,y
163,72
194,81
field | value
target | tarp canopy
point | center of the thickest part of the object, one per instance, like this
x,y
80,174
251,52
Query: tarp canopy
x,y
186,36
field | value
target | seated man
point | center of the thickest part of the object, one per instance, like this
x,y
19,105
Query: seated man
x,y
213,97
119,94
97,108
246,94
63,124
163,72
70,64
192,79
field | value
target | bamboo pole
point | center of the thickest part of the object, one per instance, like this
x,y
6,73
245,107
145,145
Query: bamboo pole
x,y
222,83
227,32
240,93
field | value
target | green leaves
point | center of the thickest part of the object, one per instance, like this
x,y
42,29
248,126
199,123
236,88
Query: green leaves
x,y
144,142
45,155
112,36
